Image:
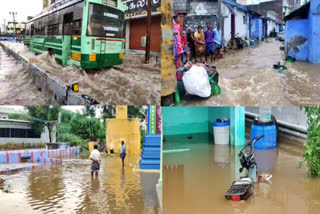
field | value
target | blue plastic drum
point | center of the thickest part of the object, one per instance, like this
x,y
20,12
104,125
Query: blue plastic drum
x,y
270,134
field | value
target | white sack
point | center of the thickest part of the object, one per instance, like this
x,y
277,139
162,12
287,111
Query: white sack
x,y
196,82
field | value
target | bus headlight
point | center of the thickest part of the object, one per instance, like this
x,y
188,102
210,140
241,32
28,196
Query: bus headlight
x,y
92,57
121,55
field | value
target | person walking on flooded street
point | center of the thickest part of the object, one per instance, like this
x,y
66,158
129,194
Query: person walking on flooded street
x,y
123,152
95,157
209,34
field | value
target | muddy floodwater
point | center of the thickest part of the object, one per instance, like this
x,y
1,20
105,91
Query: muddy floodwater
x,y
196,181
16,86
133,83
247,78
70,189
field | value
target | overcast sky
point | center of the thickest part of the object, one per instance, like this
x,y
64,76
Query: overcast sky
x,y
24,8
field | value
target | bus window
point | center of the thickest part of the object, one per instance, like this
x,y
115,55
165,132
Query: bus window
x,y
67,23
77,28
56,29
32,30
105,21
78,11
50,30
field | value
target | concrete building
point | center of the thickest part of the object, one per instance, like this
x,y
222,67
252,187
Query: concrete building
x,y
201,12
20,28
236,20
136,22
255,26
271,14
19,131
302,39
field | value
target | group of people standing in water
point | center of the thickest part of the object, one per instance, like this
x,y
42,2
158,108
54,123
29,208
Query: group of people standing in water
x,y
195,45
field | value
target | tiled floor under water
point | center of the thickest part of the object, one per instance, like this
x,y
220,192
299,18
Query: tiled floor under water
x,y
196,181
70,189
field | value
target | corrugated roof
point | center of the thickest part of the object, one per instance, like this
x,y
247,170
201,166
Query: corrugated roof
x,y
235,4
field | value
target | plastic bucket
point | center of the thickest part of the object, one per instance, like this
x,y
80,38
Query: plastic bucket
x,y
252,43
221,132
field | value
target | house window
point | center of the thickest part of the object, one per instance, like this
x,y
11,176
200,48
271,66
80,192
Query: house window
x,y
244,20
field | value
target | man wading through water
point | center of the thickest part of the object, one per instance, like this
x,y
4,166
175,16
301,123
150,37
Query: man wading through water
x,y
95,157
123,152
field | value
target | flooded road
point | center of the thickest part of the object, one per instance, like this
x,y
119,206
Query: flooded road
x,y
16,86
132,83
247,78
197,180
70,189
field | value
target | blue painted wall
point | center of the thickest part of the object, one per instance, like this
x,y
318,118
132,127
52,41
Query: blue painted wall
x,y
256,29
295,31
308,28
314,17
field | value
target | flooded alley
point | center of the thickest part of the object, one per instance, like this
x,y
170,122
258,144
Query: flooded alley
x,y
247,78
70,189
133,82
195,181
16,85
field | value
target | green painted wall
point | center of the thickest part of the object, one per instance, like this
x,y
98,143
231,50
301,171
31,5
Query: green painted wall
x,y
184,120
191,120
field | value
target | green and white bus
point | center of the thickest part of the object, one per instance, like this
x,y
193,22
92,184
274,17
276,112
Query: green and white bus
x,y
85,33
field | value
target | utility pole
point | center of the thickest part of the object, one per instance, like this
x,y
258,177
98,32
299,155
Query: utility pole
x,y
4,26
149,9
221,21
14,22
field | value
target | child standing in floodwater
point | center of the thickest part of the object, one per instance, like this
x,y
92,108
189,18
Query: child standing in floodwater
x,y
95,157
123,152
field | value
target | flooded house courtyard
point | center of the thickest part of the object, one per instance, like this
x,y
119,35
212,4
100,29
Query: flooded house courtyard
x,y
196,180
209,149
69,188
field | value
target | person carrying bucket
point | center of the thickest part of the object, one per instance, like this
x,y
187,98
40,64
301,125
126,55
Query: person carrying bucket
x,y
123,152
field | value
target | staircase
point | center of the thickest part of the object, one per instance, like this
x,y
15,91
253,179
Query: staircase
x,y
150,157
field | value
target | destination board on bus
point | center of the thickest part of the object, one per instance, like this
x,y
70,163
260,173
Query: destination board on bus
x,y
139,7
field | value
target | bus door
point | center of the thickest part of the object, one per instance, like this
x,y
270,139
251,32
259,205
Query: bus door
x,y
67,34
102,52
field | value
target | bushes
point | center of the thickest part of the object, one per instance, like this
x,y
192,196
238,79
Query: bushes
x,y
20,146
312,146
74,140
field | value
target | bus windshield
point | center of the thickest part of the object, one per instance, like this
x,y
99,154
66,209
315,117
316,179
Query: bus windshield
x,y
105,21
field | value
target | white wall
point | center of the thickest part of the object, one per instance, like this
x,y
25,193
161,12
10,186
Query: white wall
x,y
3,115
240,27
127,46
293,115
271,23
227,23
